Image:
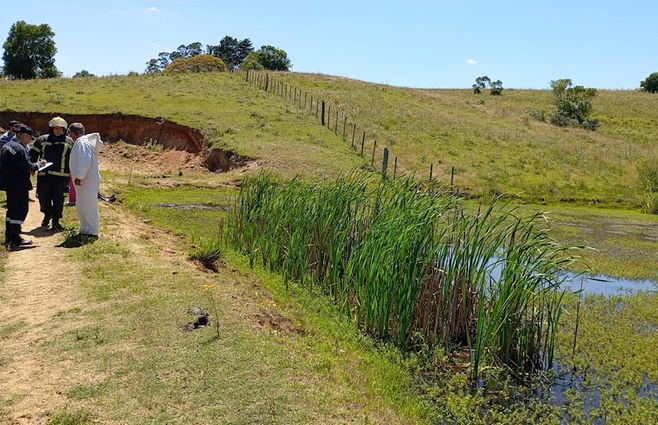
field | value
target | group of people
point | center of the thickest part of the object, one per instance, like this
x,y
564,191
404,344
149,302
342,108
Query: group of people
x,y
65,156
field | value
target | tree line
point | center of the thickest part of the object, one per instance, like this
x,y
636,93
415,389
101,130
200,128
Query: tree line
x,y
232,53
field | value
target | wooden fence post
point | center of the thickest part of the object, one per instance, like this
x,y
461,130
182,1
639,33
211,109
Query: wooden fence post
x,y
374,146
305,94
344,127
267,82
431,169
395,167
385,162
363,142
322,117
329,117
246,77
353,133
336,126
452,176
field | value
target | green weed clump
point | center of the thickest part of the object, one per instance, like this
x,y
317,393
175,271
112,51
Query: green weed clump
x,y
207,252
648,173
408,264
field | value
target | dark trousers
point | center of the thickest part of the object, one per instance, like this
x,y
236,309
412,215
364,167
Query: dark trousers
x,y
50,190
17,207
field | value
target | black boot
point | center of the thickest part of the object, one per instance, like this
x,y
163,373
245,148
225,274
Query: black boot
x,y
56,226
14,237
46,220
19,238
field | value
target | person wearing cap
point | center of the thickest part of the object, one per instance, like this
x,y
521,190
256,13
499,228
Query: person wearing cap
x,y
85,175
53,147
15,171
10,134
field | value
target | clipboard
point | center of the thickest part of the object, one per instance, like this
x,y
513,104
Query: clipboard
x,y
46,165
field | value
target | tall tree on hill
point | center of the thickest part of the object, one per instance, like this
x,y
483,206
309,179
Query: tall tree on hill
x,y
251,62
30,52
186,51
480,84
496,87
231,50
274,59
650,84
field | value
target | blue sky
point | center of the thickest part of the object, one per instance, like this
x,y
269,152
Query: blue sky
x,y
604,44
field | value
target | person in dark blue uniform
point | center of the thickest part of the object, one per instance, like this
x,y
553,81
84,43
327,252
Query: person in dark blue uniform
x,y
52,182
10,134
15,171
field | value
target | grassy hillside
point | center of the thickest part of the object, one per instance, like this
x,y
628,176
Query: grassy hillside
x,y
494,143
231,114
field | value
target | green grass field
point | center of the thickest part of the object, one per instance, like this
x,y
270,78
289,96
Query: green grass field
x,y
493,143
587,180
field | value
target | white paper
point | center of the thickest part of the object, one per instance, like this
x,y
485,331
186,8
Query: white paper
x,y
46,165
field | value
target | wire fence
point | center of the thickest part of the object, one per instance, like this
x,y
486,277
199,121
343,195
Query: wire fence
x,y
339,122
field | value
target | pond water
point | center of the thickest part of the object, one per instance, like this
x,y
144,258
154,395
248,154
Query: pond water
x,y
607,285
197,206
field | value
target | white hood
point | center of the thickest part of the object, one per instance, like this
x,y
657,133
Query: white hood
x,y
94,140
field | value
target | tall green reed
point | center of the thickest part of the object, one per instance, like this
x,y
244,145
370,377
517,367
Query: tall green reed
x,y
404,261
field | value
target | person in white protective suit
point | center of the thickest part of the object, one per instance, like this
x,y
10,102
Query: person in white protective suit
x,y
84,172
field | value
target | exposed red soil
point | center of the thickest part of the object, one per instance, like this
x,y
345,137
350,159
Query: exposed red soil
x,y
125,158
184,146
132,129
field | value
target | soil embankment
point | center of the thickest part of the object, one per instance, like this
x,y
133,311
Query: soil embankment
x,y
132,129
138,130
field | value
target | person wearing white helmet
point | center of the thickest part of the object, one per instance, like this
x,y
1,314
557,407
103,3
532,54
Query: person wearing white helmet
x,y
84,171
53,147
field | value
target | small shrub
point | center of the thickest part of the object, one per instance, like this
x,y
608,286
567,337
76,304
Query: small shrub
x,y
561,120
648,172
650,203
590,124
198,63
538,115
574,105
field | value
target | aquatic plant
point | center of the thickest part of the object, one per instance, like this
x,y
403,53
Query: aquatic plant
x,y
405,262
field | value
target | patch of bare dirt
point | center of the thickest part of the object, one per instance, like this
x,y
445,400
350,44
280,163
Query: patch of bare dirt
x,y
277,322
39,289
170,147
126,158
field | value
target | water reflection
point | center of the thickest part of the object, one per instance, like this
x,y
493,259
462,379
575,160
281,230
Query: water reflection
x,y
606,285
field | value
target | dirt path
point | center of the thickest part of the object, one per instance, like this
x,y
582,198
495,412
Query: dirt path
x,y
40,285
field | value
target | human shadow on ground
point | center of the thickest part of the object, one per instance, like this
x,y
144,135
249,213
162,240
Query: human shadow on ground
x,y
76,240
39,232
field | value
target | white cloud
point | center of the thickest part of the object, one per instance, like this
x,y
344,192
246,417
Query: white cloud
x,y
471,61
152,10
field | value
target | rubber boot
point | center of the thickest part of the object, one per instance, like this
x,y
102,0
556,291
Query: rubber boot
x,y
19,238
14,237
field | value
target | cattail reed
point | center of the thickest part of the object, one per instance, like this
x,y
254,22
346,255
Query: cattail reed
x,y
404,261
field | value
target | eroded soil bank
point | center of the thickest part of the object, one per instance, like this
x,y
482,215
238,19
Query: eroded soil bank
x,y
132,129
139,130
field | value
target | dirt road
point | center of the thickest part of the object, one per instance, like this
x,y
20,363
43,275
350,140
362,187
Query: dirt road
x,y
37,299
